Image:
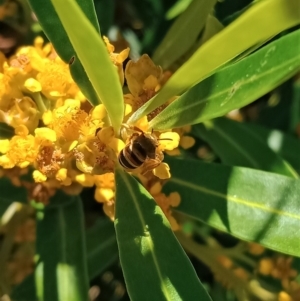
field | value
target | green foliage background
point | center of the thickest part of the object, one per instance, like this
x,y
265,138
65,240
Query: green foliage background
x,y
230,55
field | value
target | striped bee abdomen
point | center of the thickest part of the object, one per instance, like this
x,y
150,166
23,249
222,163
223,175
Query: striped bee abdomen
x,y
140,152
133,155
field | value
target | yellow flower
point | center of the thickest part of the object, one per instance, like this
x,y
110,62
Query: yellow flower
x,y
62,176
162,171
38,176
283,296
144,79
187,142
266,266
154,186
55,79
32,85
117,58
7,90
256,249
85,180
103,195
69,143
142,76
22,151
106,180
21,111
168,140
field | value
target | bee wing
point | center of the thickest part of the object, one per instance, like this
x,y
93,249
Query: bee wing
x,y
149,165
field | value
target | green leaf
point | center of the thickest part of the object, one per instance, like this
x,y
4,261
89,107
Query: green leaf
x,y
295,108
281,143
183,33
153,261
94,57
105,10
55,32
6,131
61,272
244,32
237,144
178,8
212,27
102,249
235,86
9,194
249,204
25,291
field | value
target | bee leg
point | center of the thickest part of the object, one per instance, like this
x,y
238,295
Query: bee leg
x,y
149,165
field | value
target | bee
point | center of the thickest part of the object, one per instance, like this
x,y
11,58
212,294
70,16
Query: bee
x,y
141,151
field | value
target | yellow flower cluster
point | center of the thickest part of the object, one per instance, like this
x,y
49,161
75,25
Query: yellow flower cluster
x,y
281,267
66,142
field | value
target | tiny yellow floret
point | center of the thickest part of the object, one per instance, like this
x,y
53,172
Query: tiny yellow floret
x,y
162,171
38,176
47,117
21,130
103,195
32,85
45,133
187,142
171,142
61,175
85,180
106,134
4,146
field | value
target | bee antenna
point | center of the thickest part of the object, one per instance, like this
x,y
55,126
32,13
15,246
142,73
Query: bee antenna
x,y
166,139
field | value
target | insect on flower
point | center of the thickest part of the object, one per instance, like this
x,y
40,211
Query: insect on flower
x,y
141,151
72,60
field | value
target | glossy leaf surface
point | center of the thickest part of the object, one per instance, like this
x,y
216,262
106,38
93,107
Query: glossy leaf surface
x,y
25,291
284,144
56,33
235,86
152,260
6,131
9,194
249,204
61,272
94,57
102,249
237,144
243,33
183,33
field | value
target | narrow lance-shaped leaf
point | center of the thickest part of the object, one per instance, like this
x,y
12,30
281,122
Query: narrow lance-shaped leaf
x,y
237,144
211,28
281,143
249,204
295,108
6,131
178,8
25,291
183,33
61,271
102,249
105,10
250,29
10,194
235,86
55,32
94,57
153,261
